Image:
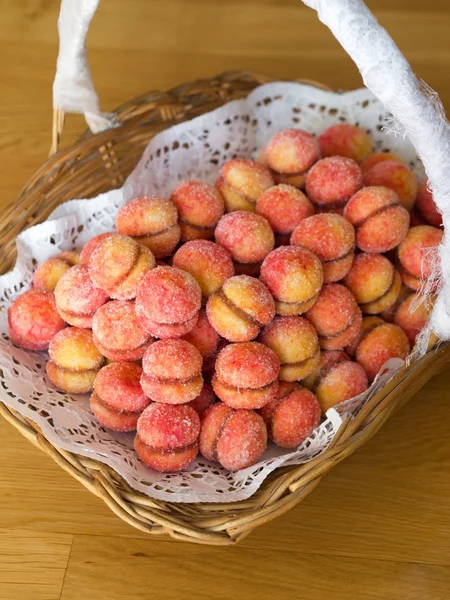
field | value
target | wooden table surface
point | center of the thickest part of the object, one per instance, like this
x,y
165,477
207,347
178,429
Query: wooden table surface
x,y
378,527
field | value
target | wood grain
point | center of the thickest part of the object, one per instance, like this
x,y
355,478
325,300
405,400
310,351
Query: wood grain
x,y
377,526
32,564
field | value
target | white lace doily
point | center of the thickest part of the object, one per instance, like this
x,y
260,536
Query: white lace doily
x,y
194,149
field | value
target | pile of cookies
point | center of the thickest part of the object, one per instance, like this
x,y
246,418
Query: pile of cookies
x,y
230,314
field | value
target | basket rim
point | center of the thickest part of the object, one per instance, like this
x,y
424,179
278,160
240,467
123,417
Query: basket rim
x,y
292,484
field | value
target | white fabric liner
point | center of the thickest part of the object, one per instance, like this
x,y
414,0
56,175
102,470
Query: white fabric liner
x,y
194,149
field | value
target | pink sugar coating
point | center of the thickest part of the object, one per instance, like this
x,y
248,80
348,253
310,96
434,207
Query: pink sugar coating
x,y
251,296
284,207
292,151
294,339
212,421
383,342
146,215
412,321
112,261
331,357
203,336
377,157
204,400
292,274
168,295
173,359
165,461
75,293
168,426
33,319
116,326
242,441
245,177
48,274
396,176
165,330
111,419
334,311
368,201
328,235
172,391
209,263
382,223
370,277
414,251
198,203
426,205
342,380
247,365
74,349
333,180
92,245
290,420
248,237
344,139
118,387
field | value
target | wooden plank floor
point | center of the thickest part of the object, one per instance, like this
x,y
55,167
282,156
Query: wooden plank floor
x,y
377,528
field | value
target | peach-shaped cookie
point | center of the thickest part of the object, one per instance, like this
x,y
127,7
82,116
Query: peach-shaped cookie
x,y
376,158
200,207
380,220
426,205
378,342
209,264
295,342
336,379
167,437
236,439
395,176
51,270
415,254
374,281
118,264
172,372
336,317
153,222
92,245
118,333
241,307
294,276
332,181
74,360
77,298
291,419
343,139
204,400
248,237
291,151
332,239
241,182
411,312
33,320
204,337
246,375
167,302
118,399
284,207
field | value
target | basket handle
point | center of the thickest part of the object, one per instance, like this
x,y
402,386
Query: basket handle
x,y
73,89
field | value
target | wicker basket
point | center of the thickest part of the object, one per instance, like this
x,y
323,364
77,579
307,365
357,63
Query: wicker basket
x,y
97,163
